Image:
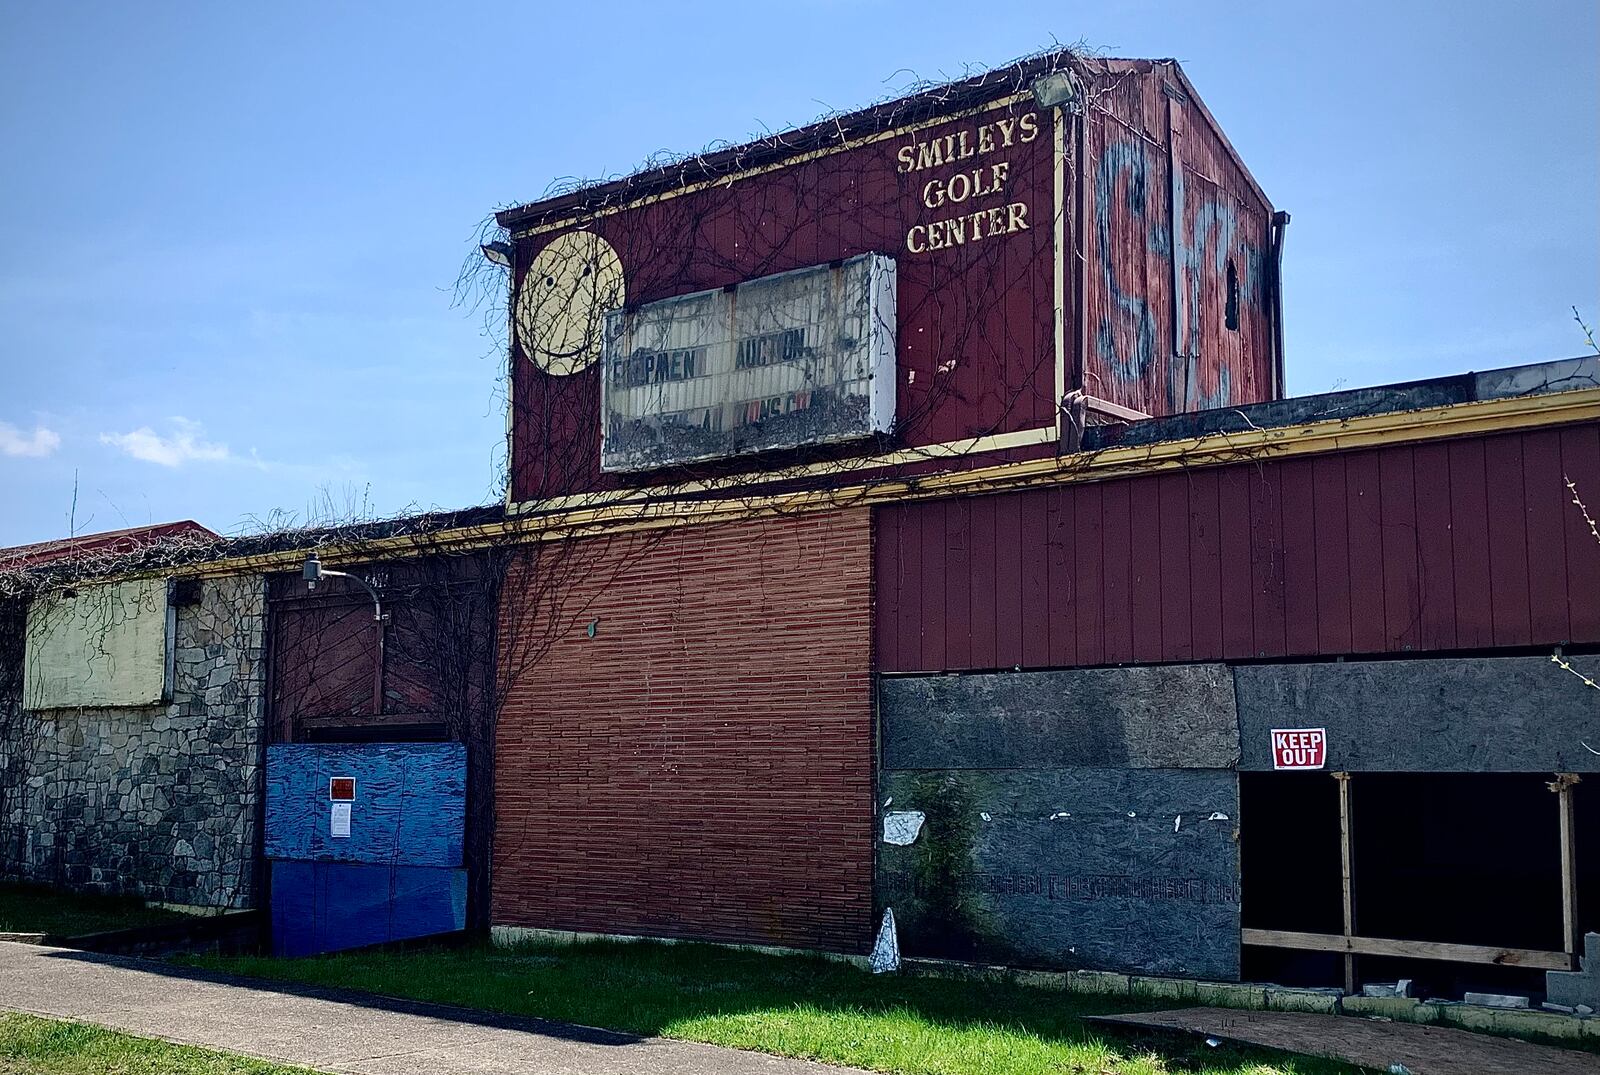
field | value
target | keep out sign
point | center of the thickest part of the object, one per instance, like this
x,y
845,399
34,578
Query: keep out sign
x,y
1299,748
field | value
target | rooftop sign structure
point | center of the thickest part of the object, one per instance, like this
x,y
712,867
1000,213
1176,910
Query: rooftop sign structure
x,y
1072,241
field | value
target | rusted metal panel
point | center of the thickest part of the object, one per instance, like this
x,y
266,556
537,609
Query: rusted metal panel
x,y
1387,550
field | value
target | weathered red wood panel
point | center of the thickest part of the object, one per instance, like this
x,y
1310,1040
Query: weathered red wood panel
x,y
1236,581
1092,577
1547,508
1161,337
1469,544
1299,551
1580,462
1333,554
1205,576
1508,545
1172,500
1034,581
1400,549
1435,547
932,596
1061,579
1165,289
984,582
1364,516
958,585
1462,545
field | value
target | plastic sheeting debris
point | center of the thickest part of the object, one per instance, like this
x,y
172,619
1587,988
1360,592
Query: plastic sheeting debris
x,y
886,950
902,826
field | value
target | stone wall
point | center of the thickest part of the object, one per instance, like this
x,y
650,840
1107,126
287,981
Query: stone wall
x,y
159,801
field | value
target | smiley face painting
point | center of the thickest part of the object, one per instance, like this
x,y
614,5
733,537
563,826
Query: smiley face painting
x,y
563,301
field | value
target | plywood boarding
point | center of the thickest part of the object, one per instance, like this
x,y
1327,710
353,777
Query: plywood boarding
x,y
105,645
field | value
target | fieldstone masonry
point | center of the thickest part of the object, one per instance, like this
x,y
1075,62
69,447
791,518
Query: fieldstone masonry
x,y
156,801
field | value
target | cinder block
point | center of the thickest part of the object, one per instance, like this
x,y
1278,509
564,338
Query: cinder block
x,y
1401,1008
1470,1016
1321,1001
1498,1000
1097,981
1162,988
950,968
1572,987
1231,995
1550,1024
1591,952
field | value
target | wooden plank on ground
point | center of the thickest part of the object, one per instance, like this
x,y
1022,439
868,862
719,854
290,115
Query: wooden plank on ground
x,y
1378,946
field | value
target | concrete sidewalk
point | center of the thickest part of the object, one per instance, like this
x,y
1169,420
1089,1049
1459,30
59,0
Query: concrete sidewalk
x,y
339,1031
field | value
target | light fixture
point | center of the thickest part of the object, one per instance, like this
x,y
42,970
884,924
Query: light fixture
x,y
313,572
497,252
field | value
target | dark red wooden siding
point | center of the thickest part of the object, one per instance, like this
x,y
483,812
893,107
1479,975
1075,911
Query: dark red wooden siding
x,y
1465,544
976,337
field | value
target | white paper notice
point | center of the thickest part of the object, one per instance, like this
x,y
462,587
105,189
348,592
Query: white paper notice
x,y
339,821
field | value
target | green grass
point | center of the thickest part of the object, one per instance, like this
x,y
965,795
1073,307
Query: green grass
x,y
36,909
789,1005
33,1046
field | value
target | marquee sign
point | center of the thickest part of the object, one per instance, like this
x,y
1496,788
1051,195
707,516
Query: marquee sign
x,y
799,358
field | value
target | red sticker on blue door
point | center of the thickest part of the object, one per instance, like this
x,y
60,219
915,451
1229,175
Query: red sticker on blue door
x,y
1299,748
341,789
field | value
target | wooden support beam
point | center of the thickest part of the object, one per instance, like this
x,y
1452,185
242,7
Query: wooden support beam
x,y
1378,946
1349,897
1571,942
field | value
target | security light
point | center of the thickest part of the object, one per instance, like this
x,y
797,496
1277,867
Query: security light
x,y
497,252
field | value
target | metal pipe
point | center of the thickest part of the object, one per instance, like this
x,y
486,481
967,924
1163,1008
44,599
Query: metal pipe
x,y
1280,227
313,572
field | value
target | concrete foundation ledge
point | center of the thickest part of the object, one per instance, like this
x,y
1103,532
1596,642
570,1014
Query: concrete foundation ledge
x,y
508,936
1318,1001
1514,1022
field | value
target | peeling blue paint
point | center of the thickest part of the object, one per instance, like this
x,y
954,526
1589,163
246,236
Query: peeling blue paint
x,y
1207,236
1125,156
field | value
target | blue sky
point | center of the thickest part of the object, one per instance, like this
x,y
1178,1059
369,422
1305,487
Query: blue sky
x,y
228,232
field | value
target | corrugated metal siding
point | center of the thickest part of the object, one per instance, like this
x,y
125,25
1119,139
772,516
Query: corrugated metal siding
x,y
1452,545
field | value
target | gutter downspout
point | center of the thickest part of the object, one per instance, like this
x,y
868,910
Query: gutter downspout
x,y
1280,227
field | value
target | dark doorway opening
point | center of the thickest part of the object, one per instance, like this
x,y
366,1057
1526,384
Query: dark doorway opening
x,y
1469,865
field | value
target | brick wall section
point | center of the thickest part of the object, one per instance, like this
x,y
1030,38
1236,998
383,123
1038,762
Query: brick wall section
x,y
703,766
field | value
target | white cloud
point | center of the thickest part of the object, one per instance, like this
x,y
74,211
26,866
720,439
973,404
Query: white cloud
x,y
185,443
41,442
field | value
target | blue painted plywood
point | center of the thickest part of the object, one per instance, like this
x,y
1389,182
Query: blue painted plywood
x,y
330,906
409,807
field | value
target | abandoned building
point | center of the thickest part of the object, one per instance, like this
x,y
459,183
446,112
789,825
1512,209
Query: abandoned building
x,y
905,513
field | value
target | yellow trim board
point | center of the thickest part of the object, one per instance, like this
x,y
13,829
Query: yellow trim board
x,y
1456,420
994,442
